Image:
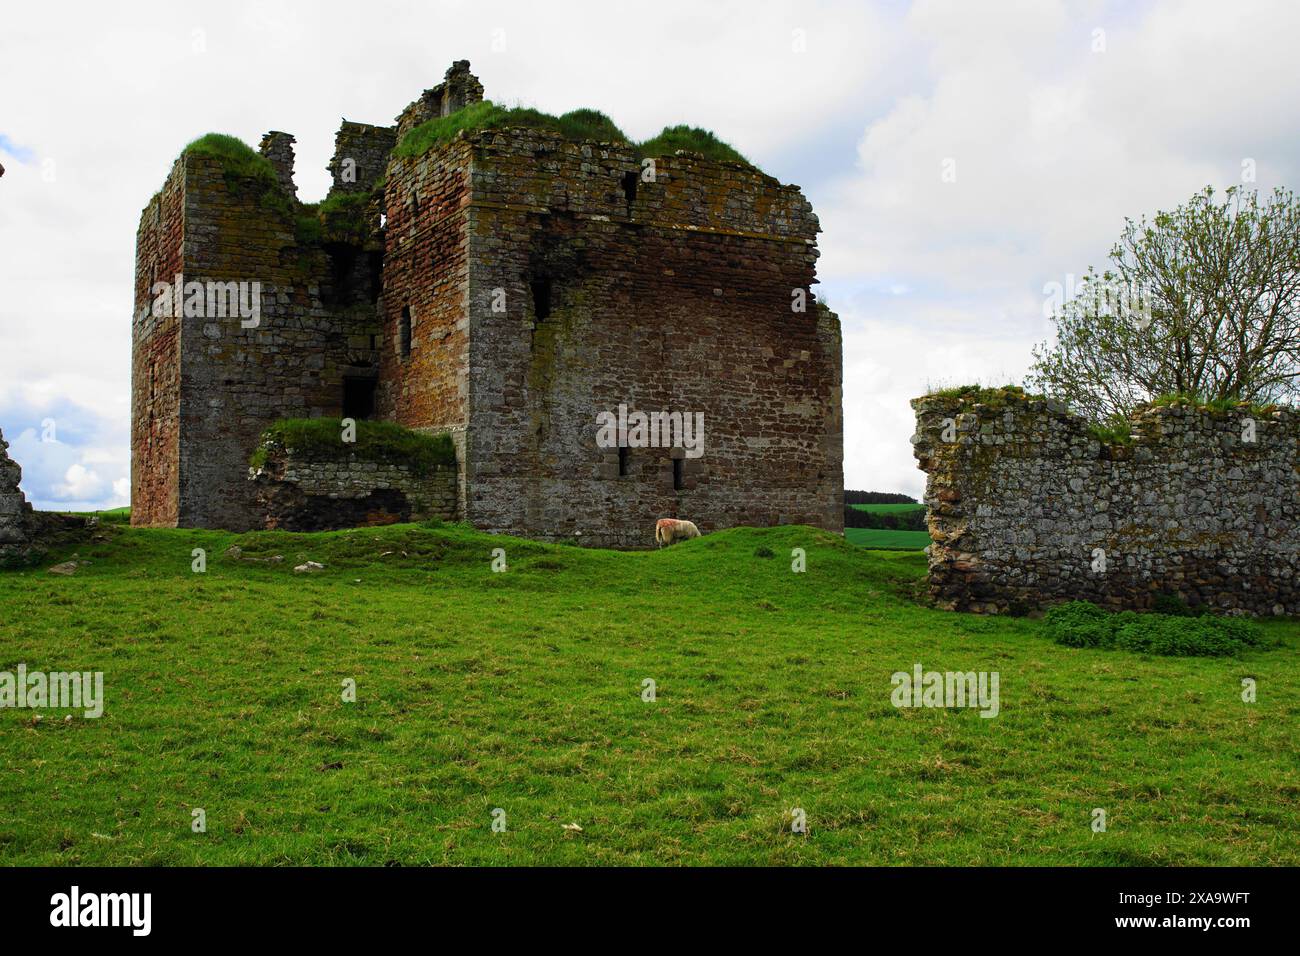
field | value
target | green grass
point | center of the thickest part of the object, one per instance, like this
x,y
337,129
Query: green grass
x,y
578,125
887,539
236,157
902,507
522,690
582,124
375,441
1083,624
1211,404
691,138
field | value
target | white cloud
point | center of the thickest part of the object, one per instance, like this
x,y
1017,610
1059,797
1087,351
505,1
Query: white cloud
x,y
1053,146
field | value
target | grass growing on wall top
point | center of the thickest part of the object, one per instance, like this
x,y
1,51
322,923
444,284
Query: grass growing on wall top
x,y
692,139
579,124
236,156
583,124
317,438
1209,404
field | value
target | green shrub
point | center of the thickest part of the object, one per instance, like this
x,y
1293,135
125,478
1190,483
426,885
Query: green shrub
x,y
1083,624
321,438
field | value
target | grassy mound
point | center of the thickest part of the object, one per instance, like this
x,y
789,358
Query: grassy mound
x,y
321,438
236,156
693,139
1083,624
578,125
582,124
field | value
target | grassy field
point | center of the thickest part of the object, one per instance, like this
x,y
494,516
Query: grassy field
x,y
522,690
894,508
887,539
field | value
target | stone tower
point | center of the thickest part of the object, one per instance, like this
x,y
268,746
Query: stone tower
x,y
507,286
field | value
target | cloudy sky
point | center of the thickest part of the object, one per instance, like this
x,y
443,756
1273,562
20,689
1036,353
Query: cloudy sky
x,y
961,155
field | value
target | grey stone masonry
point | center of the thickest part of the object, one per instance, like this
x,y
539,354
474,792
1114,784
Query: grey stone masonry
x,y
16,546
25,534
1028,507
299,493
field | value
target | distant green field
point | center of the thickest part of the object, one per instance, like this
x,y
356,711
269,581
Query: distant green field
x,y
892,509
113,515
887,539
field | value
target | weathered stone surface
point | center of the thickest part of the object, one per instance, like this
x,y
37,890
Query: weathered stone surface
x,y
1024,501
303,494
520,285
26,535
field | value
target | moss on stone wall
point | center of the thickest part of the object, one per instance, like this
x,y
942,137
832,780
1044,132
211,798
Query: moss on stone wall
x,y
322,438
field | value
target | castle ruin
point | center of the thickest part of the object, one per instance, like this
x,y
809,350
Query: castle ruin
x,y
1028,506
506,286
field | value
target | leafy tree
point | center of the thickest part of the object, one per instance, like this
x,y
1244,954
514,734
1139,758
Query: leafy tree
x,y
1203,301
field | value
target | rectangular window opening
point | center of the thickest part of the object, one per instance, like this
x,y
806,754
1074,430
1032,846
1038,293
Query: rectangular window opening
x,y
624,454
404,332
358,396
541,288
678,483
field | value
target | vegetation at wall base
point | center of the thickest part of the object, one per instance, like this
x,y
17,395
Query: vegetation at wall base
x,y
523,690
1083,624
321,438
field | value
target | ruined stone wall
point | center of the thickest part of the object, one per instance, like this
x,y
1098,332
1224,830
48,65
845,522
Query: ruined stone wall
x,y
297,493
1023,501
367,147
225,382
17,547
27,535
672,295
459,88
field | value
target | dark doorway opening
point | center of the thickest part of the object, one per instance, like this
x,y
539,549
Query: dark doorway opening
x,y
358,396
629,187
